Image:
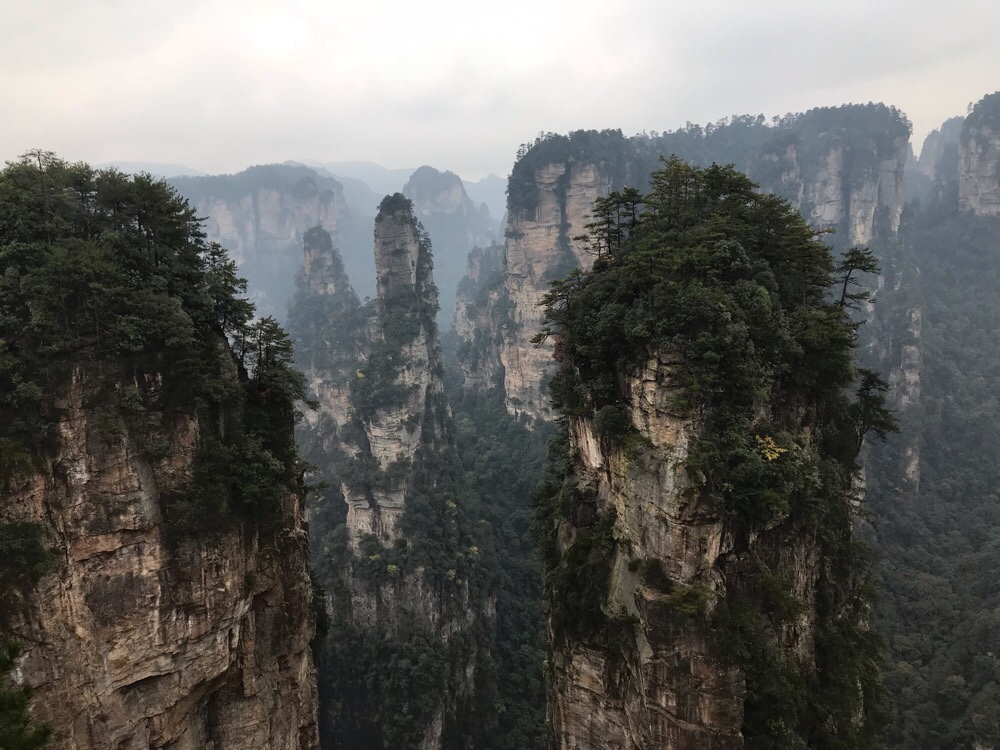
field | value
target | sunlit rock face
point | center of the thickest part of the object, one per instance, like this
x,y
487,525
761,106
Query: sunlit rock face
x,y
139,641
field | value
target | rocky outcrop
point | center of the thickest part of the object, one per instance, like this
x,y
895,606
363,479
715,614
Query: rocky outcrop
x,y
660,674
395,542
408,367
541,249
697,575
674,689
138,639
979,159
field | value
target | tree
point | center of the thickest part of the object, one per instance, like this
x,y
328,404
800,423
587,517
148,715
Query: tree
x,y
856,261
17,730
869,410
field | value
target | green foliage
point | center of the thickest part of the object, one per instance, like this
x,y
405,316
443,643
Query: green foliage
x,y
395,203
938,530
853,263
985,114
100,266
24,559
17,730
503,461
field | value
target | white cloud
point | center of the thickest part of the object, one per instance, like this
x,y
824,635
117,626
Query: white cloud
x,y
221,84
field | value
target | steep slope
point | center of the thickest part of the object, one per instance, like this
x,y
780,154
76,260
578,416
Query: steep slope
x,y
149,477
703,584
843,168
407,662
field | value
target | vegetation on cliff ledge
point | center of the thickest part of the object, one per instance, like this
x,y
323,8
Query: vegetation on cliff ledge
x,y
735,287
109,275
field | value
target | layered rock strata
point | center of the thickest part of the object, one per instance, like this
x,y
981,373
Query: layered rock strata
x,y
137,639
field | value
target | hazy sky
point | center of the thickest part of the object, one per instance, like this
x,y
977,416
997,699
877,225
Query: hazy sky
x,y
218,84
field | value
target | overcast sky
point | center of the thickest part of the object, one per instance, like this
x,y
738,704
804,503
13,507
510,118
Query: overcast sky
x,y
219,84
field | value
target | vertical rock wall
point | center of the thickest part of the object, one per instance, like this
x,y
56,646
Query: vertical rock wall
x,y
137,640
979,159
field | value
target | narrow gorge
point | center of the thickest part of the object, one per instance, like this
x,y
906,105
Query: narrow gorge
x,y
399,549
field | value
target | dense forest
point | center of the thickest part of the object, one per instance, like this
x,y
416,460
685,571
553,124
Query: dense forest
x,y
937,528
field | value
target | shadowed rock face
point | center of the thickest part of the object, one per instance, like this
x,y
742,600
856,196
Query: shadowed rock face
x,y
133,642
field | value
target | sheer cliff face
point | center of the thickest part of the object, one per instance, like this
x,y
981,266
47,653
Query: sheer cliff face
x,y
137,641
979,159
395,550
674,691
393,433
540,249
853,190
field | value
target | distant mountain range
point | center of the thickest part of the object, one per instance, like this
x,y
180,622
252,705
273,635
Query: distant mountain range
x,y
157,169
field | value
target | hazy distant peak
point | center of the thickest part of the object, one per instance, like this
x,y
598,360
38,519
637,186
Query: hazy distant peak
x,y
381,180
491,190
157,169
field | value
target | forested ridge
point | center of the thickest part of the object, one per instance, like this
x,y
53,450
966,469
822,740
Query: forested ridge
x,y
105,280
735,286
